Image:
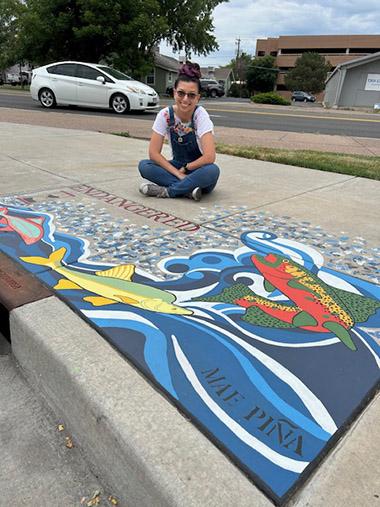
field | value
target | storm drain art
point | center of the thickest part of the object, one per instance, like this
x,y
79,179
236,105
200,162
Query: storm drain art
x,y
268,351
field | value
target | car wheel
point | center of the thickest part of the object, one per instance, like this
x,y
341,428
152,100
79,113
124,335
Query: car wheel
x,y
213,94
47,98
120,103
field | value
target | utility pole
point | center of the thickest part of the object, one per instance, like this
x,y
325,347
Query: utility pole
x,y
238,63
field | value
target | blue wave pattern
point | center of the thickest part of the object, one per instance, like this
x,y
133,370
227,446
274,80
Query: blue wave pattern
x,y
272,398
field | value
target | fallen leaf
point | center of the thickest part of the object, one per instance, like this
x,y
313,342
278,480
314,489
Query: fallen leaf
x,y
83,499
60,427
69,443
94,500
113,500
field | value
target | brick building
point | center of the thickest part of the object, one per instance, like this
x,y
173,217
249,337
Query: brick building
x,y
336,49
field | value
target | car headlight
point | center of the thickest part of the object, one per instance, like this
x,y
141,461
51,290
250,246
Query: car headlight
x,y
132,89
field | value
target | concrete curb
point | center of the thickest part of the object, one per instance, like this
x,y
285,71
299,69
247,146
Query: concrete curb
x,y
145,450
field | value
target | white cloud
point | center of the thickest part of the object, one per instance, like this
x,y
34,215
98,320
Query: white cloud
x,y
251,20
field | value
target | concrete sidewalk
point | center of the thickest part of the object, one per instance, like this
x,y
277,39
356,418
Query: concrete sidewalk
x,y
144,447
36,466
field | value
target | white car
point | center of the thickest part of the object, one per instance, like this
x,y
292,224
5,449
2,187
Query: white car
x,y
90,85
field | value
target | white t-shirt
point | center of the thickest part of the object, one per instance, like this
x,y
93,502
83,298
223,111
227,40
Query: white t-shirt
x,y
202,124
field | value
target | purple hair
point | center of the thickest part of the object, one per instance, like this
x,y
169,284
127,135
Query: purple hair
x,y
189,72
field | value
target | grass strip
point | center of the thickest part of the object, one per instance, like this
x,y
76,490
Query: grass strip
x,y
16,88
121,134
355,165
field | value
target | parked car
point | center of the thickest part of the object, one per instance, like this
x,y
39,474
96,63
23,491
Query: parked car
x,y
209,88
90,85
18,78
12,78
302,96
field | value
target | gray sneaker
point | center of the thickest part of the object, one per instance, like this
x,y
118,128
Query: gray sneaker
x,y
196,194
153,190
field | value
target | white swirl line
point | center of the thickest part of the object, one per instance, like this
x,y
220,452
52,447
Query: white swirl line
x,y
377,359
311,402
273,456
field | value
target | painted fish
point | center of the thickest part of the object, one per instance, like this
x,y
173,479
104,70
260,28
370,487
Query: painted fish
x,y
316,306
111,286
29,229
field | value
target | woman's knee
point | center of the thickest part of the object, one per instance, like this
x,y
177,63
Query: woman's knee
x,y
215,170
144,167
212,171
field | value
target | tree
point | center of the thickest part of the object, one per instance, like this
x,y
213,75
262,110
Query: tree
x,y
10,10
240,65
262,74
120,32
309,73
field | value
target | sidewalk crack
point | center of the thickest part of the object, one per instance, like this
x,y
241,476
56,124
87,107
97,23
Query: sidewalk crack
x,y
40,168
355,139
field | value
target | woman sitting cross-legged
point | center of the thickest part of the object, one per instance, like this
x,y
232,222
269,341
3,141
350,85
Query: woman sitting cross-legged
x,y
190,132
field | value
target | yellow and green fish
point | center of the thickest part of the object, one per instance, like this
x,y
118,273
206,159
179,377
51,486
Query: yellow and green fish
x,y
111,286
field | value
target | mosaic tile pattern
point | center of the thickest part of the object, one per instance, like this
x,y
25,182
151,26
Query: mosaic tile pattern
x,y
119,240
182,244
217,212
111,238
341,253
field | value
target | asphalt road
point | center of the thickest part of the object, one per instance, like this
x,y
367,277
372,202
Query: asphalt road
x,y
243,114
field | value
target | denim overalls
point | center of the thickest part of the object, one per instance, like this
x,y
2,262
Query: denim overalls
x,y
185,147
185,150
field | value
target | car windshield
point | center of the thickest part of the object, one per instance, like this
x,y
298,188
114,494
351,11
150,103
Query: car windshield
x,y
115,73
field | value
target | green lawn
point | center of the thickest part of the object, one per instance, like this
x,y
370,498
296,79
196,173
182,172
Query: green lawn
x,y
14,88
355,165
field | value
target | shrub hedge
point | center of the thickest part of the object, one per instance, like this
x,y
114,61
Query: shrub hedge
x,y
270,98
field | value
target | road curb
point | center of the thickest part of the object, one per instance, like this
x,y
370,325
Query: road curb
x,y
17,287
140,444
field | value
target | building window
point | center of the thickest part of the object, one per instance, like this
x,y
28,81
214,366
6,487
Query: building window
x,y
150,78
364,50
170,77
273,53
261,53
321,51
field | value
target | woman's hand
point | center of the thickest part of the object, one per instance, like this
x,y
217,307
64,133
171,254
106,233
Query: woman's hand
x,y
155,147
181,174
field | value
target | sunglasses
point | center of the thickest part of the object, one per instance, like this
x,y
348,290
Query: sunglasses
x,y
191,96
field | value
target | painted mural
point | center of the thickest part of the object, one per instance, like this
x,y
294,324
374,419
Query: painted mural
x,y
268,350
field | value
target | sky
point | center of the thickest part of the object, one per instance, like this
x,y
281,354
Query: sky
x,y
258,19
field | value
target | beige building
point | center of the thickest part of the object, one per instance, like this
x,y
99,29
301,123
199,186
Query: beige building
x,y
355,83
336,49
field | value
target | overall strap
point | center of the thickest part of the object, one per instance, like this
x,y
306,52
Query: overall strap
x,y
171,116
192,118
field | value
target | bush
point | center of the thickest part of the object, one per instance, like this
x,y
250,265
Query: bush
x,y
233,91
270,98
238,91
